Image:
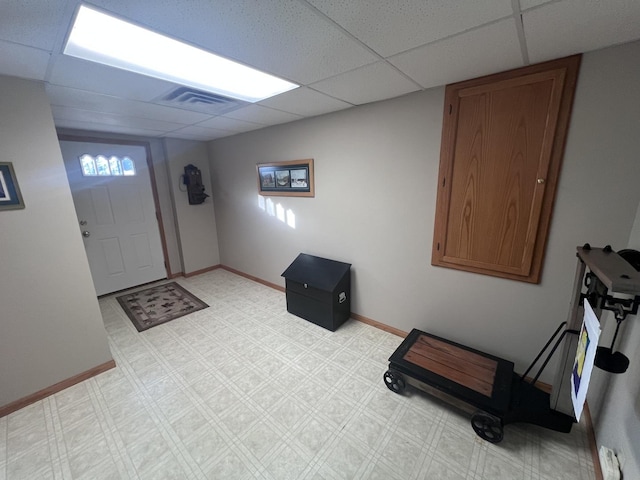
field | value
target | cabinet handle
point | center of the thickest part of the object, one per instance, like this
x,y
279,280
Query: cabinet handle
x,y
540,181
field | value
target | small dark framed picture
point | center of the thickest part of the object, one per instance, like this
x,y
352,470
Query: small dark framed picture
x,y
10,196
286,179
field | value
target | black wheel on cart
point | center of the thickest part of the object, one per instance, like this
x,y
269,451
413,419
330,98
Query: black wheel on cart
x,y
394,381
487,427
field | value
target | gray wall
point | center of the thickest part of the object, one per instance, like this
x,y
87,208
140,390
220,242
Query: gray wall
x,y
197,234
375,170
50,323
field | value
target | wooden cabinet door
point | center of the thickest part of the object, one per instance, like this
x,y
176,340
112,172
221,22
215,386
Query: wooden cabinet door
x,y
502,145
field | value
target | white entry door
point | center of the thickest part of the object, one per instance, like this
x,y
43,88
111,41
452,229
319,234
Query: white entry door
x,y
112,193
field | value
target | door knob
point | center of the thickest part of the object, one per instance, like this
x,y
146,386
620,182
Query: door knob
x,y
86,234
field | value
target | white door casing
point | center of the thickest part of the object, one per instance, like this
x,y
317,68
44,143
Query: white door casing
x,y
118,213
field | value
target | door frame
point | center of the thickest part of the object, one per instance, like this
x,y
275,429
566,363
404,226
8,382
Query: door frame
x,y
152,178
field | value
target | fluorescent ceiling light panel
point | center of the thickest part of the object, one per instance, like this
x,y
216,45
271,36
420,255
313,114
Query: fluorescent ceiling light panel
x,y
102,38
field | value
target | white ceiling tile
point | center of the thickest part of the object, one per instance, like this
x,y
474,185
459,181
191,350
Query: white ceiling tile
x,y
317,43
393,27
263,115
229,124
306,102
526,4
61,113
489,49
374,82
198,133
32,22
103,127
574,26
85,75
25,62
70,97
255,33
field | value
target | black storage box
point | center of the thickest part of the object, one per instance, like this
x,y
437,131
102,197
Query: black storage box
x,y
319,290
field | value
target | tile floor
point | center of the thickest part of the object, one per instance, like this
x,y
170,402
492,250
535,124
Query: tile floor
x,y
243,390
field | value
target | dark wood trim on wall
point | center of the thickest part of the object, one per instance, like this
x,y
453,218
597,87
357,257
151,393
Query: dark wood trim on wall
x,y
152,177
251,277
198,272
381,326
46,392
156,200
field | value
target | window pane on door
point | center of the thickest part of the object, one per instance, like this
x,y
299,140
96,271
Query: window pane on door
x,y
103,166
128,167
100,166
88,166
116,167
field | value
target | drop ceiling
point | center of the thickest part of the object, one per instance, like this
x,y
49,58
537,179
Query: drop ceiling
x,y
342,52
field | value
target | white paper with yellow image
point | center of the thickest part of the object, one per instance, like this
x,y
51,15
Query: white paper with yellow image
x,y
585,357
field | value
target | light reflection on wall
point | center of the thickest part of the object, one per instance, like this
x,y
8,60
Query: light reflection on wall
x,y
271,208
277,210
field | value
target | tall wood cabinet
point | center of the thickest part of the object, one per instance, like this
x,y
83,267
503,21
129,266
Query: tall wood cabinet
x,y
502,146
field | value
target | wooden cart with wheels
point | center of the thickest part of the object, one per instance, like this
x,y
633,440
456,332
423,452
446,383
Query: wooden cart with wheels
x,y
472,380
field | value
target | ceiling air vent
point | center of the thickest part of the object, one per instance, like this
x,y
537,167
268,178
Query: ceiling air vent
x,y
196,100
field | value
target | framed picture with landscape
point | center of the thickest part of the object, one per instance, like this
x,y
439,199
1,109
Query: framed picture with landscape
x,y
10,197
286,179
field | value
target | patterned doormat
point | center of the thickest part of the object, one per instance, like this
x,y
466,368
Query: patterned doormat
x,y
159,304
